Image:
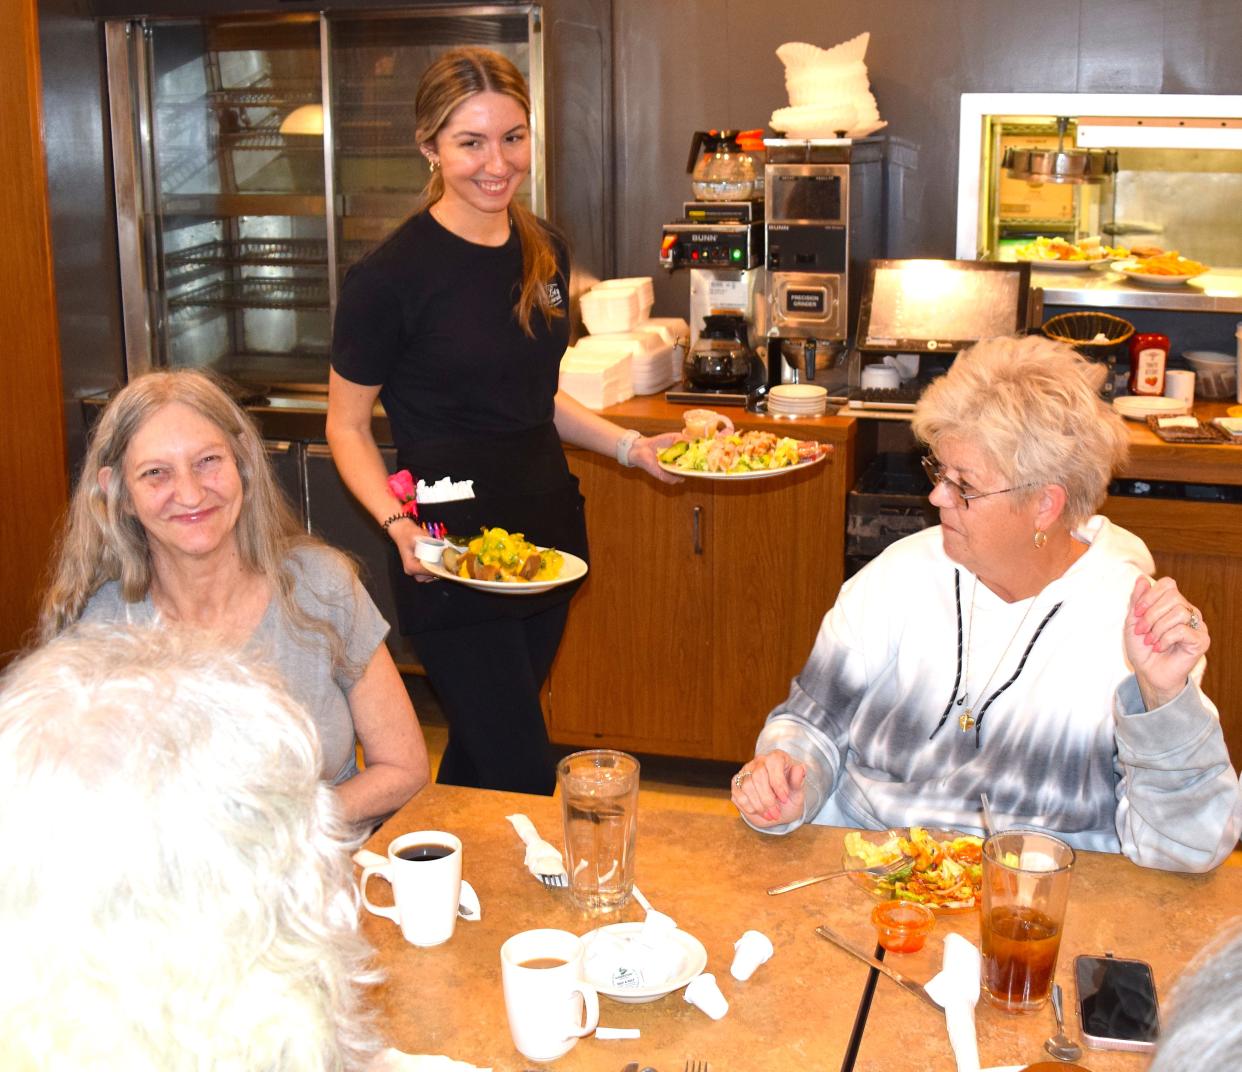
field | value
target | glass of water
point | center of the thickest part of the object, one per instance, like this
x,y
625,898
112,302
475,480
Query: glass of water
x,y
599,798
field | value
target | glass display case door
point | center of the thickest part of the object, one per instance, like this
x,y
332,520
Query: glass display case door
x,y
257,157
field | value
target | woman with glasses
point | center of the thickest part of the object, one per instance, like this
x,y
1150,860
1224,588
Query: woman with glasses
x,y
1018,648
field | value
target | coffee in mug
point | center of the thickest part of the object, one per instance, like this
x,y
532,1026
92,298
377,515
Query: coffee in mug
x,y
549,1004
424,870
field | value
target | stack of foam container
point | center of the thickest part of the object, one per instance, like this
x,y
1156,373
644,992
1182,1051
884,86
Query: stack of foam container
x,y
623,335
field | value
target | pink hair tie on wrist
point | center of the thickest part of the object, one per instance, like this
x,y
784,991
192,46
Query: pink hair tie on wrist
x,y
403,486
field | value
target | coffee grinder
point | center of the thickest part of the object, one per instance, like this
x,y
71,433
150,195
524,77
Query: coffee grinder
x,y
823,222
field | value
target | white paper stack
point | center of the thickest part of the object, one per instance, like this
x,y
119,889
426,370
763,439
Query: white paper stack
x,y
597,380
617,304
650,363
829,91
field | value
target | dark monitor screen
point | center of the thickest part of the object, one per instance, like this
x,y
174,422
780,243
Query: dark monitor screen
x,y
930,306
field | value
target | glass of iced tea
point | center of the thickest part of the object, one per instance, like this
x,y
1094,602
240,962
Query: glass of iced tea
x,y
1026,878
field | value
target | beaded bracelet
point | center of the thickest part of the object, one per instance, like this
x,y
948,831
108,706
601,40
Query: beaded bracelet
x,y
397,517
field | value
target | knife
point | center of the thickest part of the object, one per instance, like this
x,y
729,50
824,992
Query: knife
x,y
908,985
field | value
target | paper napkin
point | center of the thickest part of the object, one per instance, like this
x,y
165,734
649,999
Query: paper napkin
x,y
956,990
391,1060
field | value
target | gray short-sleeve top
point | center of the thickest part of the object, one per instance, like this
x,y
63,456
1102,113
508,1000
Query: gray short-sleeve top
x,y
325,588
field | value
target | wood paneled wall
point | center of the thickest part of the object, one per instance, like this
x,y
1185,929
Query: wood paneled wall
x,y
33,477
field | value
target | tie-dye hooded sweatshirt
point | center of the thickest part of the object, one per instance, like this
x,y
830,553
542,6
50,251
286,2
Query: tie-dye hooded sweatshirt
x,y
1067,745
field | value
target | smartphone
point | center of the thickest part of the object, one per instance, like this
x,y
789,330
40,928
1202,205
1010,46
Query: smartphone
x,y
1117,1005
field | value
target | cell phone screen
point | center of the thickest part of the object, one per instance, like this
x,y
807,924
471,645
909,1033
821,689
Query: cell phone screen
x,y
1117,999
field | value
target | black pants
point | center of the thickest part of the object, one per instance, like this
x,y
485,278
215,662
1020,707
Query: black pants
x,y
487,677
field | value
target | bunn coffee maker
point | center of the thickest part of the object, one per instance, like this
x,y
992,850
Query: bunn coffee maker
x,y
823,221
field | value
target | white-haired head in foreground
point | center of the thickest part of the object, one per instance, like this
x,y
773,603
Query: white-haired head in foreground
x,y
1204,1029
176,892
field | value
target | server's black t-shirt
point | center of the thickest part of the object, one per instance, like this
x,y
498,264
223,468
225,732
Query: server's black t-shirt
x,y
429,316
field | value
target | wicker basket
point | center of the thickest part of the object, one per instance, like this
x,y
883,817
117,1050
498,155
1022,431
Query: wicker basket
x,y
1083,331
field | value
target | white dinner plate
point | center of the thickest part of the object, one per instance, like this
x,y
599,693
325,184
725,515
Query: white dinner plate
x,y
752,474
572,568
1128,269
602,969
1140,407
1038,265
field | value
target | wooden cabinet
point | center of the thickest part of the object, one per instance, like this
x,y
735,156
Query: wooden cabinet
x,y
702,603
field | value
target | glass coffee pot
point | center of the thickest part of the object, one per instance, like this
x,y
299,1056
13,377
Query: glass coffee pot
x,y
721,357
720,169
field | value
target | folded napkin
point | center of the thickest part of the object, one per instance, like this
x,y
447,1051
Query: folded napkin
x,y
956,990
542,858
391,1060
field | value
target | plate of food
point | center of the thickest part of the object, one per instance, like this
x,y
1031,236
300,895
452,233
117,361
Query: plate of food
x,y
945,872
1058,255
740,455
633,963
1161,270
506,563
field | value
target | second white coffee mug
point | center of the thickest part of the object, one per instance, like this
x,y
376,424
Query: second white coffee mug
x,y
424,869
550,1005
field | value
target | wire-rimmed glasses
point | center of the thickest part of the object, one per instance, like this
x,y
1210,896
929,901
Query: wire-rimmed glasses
x,y
961,497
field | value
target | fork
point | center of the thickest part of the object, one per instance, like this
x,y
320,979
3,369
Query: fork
x,y
553,882
697,1066
879,871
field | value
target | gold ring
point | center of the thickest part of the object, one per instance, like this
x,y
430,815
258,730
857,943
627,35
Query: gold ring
x,y
1193,620
739,778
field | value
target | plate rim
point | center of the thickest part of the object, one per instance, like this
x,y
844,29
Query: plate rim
x,y
1050,265
1173,407
1125,267
752,474
635,995
509,588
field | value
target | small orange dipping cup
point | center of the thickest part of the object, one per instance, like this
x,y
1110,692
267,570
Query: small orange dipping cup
x,y
902,926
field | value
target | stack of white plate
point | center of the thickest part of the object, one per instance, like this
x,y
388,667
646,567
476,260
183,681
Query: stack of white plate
x,y
797,400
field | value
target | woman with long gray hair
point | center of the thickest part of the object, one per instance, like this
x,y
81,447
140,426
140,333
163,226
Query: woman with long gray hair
x,y
177,520
177,893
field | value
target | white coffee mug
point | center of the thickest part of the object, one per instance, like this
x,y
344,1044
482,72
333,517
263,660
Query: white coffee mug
x,y
549,1004
1180,384
424,870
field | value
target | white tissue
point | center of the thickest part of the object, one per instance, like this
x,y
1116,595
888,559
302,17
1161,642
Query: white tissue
x,y
703,993
391,1060
956,990
608,1033
751,950
444,490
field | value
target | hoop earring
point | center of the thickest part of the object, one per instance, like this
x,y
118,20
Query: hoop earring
x,y
1041,538
434,165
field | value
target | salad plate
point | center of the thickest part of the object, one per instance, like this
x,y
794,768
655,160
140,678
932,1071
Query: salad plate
x,y
1039,265
1132,269
749,474
945,873
572,569
621,965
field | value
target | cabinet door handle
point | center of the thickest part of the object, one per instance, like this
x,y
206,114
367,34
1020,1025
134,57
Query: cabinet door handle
x,y
698,530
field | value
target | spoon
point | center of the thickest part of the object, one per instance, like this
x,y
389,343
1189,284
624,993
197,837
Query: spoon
x,y
1059,1045
878,871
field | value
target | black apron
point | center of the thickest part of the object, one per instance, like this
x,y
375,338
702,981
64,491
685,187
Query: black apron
x,y
521,483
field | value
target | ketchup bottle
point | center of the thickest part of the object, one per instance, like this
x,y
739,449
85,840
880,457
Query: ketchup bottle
x,y
1148,355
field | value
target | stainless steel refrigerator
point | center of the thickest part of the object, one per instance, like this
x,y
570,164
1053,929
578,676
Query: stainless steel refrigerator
x,y
256,156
